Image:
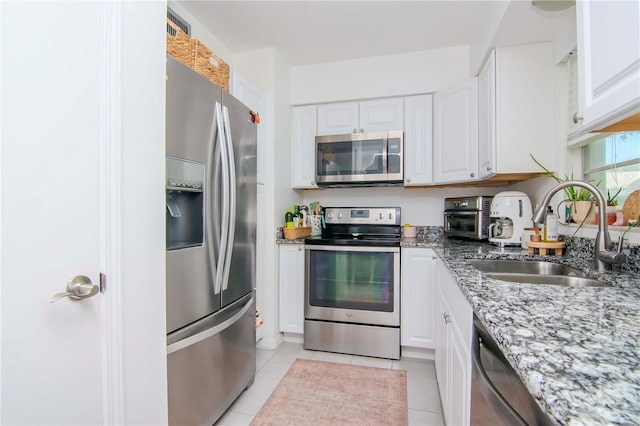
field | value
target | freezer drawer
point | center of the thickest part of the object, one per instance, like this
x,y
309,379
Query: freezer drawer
x,y
209,369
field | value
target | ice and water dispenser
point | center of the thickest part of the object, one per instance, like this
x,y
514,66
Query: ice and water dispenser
x,y
185,203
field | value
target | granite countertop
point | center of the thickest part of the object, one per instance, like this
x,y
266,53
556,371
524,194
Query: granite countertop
x,y
576,349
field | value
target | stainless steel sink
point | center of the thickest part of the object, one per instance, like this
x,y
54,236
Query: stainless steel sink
x,y
535,272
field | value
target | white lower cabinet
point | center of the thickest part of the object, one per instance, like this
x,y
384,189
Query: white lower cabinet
x,y
291,288
454,324
418,297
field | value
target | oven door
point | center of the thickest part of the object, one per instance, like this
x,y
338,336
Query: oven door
x,y
461,223
353,284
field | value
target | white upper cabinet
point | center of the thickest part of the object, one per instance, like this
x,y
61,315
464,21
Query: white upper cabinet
x,y
455,136
608,62
516,109
303,147
338,119
487,118
367,116
381,115
418,140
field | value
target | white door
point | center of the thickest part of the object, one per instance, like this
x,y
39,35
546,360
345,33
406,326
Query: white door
x,y
381,115
338,119
303,139
455,133
419,291
418,140
292,288
63,169
608,61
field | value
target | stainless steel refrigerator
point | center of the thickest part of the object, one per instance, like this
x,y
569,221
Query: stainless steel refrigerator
x,y
211,247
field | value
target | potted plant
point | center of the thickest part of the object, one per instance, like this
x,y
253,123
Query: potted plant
x,y
612,202
579,202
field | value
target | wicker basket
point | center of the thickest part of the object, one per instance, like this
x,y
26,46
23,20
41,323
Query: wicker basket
x,y
296,233
197,56
180,45
209,65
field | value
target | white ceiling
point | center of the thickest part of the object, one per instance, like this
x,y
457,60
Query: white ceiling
x,y
308,32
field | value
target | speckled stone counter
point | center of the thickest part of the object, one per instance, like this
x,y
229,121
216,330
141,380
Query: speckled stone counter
x,y
576,349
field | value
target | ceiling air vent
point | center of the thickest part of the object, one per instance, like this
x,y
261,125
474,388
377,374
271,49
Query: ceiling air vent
x,y
181,23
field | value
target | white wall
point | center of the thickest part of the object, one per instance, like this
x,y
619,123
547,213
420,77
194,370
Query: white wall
x,y
380,76
268,72
480,48
419,206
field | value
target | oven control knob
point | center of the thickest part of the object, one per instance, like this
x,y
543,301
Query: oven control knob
x,y
380,216
330,216
339,215
390,215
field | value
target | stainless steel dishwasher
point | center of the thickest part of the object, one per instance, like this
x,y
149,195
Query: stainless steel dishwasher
x,y
498,397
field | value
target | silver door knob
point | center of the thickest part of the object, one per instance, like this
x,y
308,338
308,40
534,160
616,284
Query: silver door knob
x,y
78,288
577,118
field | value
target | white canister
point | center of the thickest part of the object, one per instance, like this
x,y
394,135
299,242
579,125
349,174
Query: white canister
x,y
409,231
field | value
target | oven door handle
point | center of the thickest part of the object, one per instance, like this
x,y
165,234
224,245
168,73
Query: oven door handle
x,y
375,249
488,389
461,213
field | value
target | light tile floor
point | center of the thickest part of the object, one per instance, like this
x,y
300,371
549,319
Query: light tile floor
x,y
272,365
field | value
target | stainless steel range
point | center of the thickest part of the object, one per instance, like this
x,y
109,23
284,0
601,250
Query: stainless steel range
x,y
352,283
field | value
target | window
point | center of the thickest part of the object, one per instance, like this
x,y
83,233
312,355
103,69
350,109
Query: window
x,y
613,163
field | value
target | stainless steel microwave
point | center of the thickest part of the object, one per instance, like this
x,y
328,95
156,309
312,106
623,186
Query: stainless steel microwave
x,y
364,159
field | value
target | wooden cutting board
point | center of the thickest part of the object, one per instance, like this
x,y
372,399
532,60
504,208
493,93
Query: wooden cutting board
x,y
631,207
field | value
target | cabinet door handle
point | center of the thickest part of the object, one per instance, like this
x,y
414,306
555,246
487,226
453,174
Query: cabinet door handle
x,y
447,320
577,118
488,168
361,130
313,183
299,248
472,175
355,130
408,179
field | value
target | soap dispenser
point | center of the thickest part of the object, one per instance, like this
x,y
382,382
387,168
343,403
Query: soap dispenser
x,y
550,226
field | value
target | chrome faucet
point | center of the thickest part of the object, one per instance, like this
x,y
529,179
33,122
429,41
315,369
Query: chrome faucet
x,y
603,256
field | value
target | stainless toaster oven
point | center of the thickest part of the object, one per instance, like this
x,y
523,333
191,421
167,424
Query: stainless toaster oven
x,y
467,217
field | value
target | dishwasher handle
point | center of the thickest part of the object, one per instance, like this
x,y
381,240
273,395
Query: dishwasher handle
x,y
489,391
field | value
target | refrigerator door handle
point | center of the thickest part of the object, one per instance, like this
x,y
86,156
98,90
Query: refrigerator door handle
x,y
192,340
224,233
232,198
